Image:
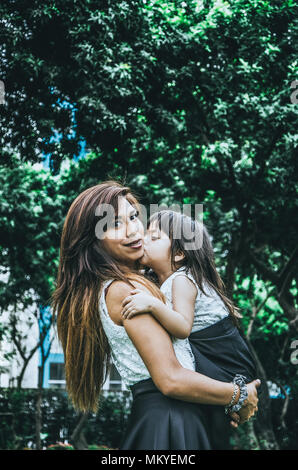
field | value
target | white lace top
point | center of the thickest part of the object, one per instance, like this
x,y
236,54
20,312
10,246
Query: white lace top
x,y
208,310
124,354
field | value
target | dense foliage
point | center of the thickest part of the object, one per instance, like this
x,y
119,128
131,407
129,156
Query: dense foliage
x,y
187,102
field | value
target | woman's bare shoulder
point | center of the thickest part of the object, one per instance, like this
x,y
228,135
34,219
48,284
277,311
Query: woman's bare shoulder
x,y
117,291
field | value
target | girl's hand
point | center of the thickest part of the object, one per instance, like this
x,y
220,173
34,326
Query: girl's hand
x,y
137,302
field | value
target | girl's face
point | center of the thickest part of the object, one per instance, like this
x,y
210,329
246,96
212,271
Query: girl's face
x,y
157,249
124,238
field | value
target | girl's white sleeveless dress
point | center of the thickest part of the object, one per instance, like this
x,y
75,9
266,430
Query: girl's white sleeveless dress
x,y
208,309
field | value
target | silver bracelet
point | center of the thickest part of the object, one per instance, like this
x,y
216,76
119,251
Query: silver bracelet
x,y
239,380
228,407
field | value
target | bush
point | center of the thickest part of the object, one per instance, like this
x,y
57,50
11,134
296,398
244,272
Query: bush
x,y
59,419
104,430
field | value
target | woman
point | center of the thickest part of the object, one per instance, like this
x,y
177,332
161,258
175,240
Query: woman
x,y
98,267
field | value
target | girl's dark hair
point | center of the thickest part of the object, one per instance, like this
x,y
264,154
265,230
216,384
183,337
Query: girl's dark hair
x,y
191,238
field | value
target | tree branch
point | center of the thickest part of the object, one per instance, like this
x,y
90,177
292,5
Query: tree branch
x,y
255,311
285,275
268,273
285,406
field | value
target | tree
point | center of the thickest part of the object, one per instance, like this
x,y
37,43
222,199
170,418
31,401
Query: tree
x,y
188,103
29,253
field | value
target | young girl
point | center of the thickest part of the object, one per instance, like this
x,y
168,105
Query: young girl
x,y
197,307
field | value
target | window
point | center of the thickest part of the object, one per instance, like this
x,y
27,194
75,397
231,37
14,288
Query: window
x,y
57,375
57,371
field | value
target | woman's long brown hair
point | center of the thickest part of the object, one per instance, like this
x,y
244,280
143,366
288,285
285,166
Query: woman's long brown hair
x,y
83,267
199,261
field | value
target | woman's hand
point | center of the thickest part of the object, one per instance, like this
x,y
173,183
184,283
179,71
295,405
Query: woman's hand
x,y
235,419
137,302
250,405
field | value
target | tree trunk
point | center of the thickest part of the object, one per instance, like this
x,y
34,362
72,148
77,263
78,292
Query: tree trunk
x,y
23,370
38,418
77,438
230,272
263,422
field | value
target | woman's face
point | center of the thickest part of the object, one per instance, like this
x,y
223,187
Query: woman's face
x,y
157,249
124,239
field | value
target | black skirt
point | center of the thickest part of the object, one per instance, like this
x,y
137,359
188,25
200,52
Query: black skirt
x,y
158,422
221,352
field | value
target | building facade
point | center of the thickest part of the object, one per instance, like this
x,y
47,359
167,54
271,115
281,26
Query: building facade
x,y
13,353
